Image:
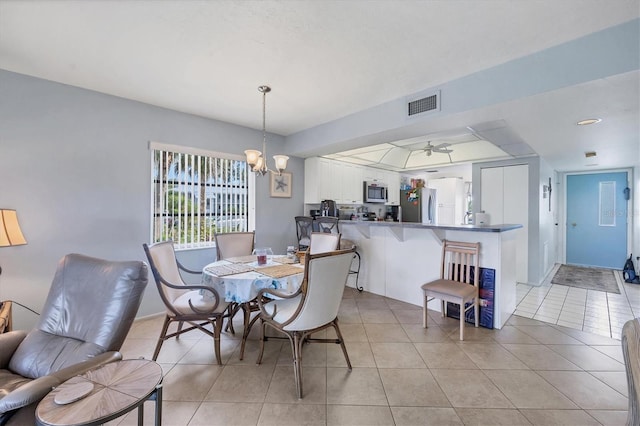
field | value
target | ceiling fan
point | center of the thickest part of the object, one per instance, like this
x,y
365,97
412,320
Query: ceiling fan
x,y
440,149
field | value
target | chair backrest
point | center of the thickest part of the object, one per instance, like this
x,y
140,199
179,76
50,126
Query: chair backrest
x,y
232,244
325,277
304,228
322,242
164,267
328,224
89,310
460,262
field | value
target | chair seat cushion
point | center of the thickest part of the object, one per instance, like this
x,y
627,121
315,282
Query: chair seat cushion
x,y
200,302
42,353
10,381
451,288
285,308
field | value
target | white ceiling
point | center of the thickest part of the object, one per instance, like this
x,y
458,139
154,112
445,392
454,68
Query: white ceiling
x,y
324,59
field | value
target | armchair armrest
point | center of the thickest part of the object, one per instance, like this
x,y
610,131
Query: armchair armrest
x,y
36,389
28,393
90,364
274,292
9,342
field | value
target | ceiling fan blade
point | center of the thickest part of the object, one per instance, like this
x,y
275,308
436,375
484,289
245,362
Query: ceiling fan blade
x,y
442,150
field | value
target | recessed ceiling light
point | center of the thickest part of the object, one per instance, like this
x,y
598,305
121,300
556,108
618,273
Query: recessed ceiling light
x,y
589,121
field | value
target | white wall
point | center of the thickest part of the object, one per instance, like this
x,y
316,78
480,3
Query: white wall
x,y
548,230
76,167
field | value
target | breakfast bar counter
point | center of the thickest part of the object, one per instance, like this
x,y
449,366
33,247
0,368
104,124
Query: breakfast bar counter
x,y
397,258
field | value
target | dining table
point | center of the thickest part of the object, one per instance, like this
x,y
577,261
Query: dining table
x,y
239,279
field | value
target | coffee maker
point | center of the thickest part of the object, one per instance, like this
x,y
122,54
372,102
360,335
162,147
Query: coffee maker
x,y
393,213
329,208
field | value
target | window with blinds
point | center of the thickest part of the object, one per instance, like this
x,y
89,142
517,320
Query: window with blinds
x,y
196,195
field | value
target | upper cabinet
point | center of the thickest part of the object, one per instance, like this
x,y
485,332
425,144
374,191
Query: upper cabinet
x,y
317,173
343,182
393,184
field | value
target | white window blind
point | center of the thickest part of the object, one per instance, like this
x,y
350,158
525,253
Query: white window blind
x,y
196,194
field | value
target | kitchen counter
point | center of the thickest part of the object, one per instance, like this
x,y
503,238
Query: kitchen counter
x,y
397,228
398,257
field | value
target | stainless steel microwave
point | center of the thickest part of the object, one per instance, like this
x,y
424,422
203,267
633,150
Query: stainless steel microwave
x,y
375,192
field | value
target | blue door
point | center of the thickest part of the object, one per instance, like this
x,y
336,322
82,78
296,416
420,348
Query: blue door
x,y
597,220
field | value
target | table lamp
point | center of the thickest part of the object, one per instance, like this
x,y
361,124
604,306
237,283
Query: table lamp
x,y
10,235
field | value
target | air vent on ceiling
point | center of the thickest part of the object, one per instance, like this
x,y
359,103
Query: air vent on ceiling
x,y
428,103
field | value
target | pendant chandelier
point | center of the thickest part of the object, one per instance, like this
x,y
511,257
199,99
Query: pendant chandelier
x,y
256,159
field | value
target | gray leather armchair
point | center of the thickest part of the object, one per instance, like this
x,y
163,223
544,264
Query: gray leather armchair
x,y
86,317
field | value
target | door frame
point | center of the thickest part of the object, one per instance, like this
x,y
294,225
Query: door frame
x,y
562,237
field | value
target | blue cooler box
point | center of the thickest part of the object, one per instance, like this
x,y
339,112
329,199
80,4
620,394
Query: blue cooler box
x,y
487,292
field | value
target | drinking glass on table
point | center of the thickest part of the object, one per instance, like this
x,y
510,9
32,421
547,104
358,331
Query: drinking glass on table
x,y
261,254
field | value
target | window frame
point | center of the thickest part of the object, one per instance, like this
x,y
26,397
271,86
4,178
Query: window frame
x,y
251,180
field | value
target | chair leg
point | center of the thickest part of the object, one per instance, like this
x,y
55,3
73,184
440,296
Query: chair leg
x,y
161,339
462,317
246,310
180,324
424,311
263,325
476,310
297,362
217,330
344,348
233,309
443,308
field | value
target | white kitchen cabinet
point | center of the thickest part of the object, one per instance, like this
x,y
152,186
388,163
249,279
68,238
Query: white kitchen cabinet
x,y
317,183
326,179
505,197
450,199
352,189
374,175
393,184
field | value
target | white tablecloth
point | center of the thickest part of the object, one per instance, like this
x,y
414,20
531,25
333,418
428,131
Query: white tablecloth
x,y
244,287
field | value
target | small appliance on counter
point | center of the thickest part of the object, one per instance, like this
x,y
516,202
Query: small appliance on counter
x,y
328,208
347,212
393,213
315,213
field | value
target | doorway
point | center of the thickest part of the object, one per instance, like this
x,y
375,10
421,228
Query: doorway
x,y
596,227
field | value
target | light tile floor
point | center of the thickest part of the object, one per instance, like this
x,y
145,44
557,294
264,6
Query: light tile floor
x,y
529,372
588,310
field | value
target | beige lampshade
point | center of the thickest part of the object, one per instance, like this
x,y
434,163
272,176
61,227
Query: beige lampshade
x,y
10,233
281,162
252,156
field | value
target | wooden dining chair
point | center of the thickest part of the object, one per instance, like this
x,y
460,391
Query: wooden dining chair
x,y
322,242
459,281
197,305
312,308
232,244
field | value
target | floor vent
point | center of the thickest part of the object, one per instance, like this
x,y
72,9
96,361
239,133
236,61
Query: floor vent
x,y
429,103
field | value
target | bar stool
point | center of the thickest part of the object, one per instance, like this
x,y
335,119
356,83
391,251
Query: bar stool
x,y
331,224
304,227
